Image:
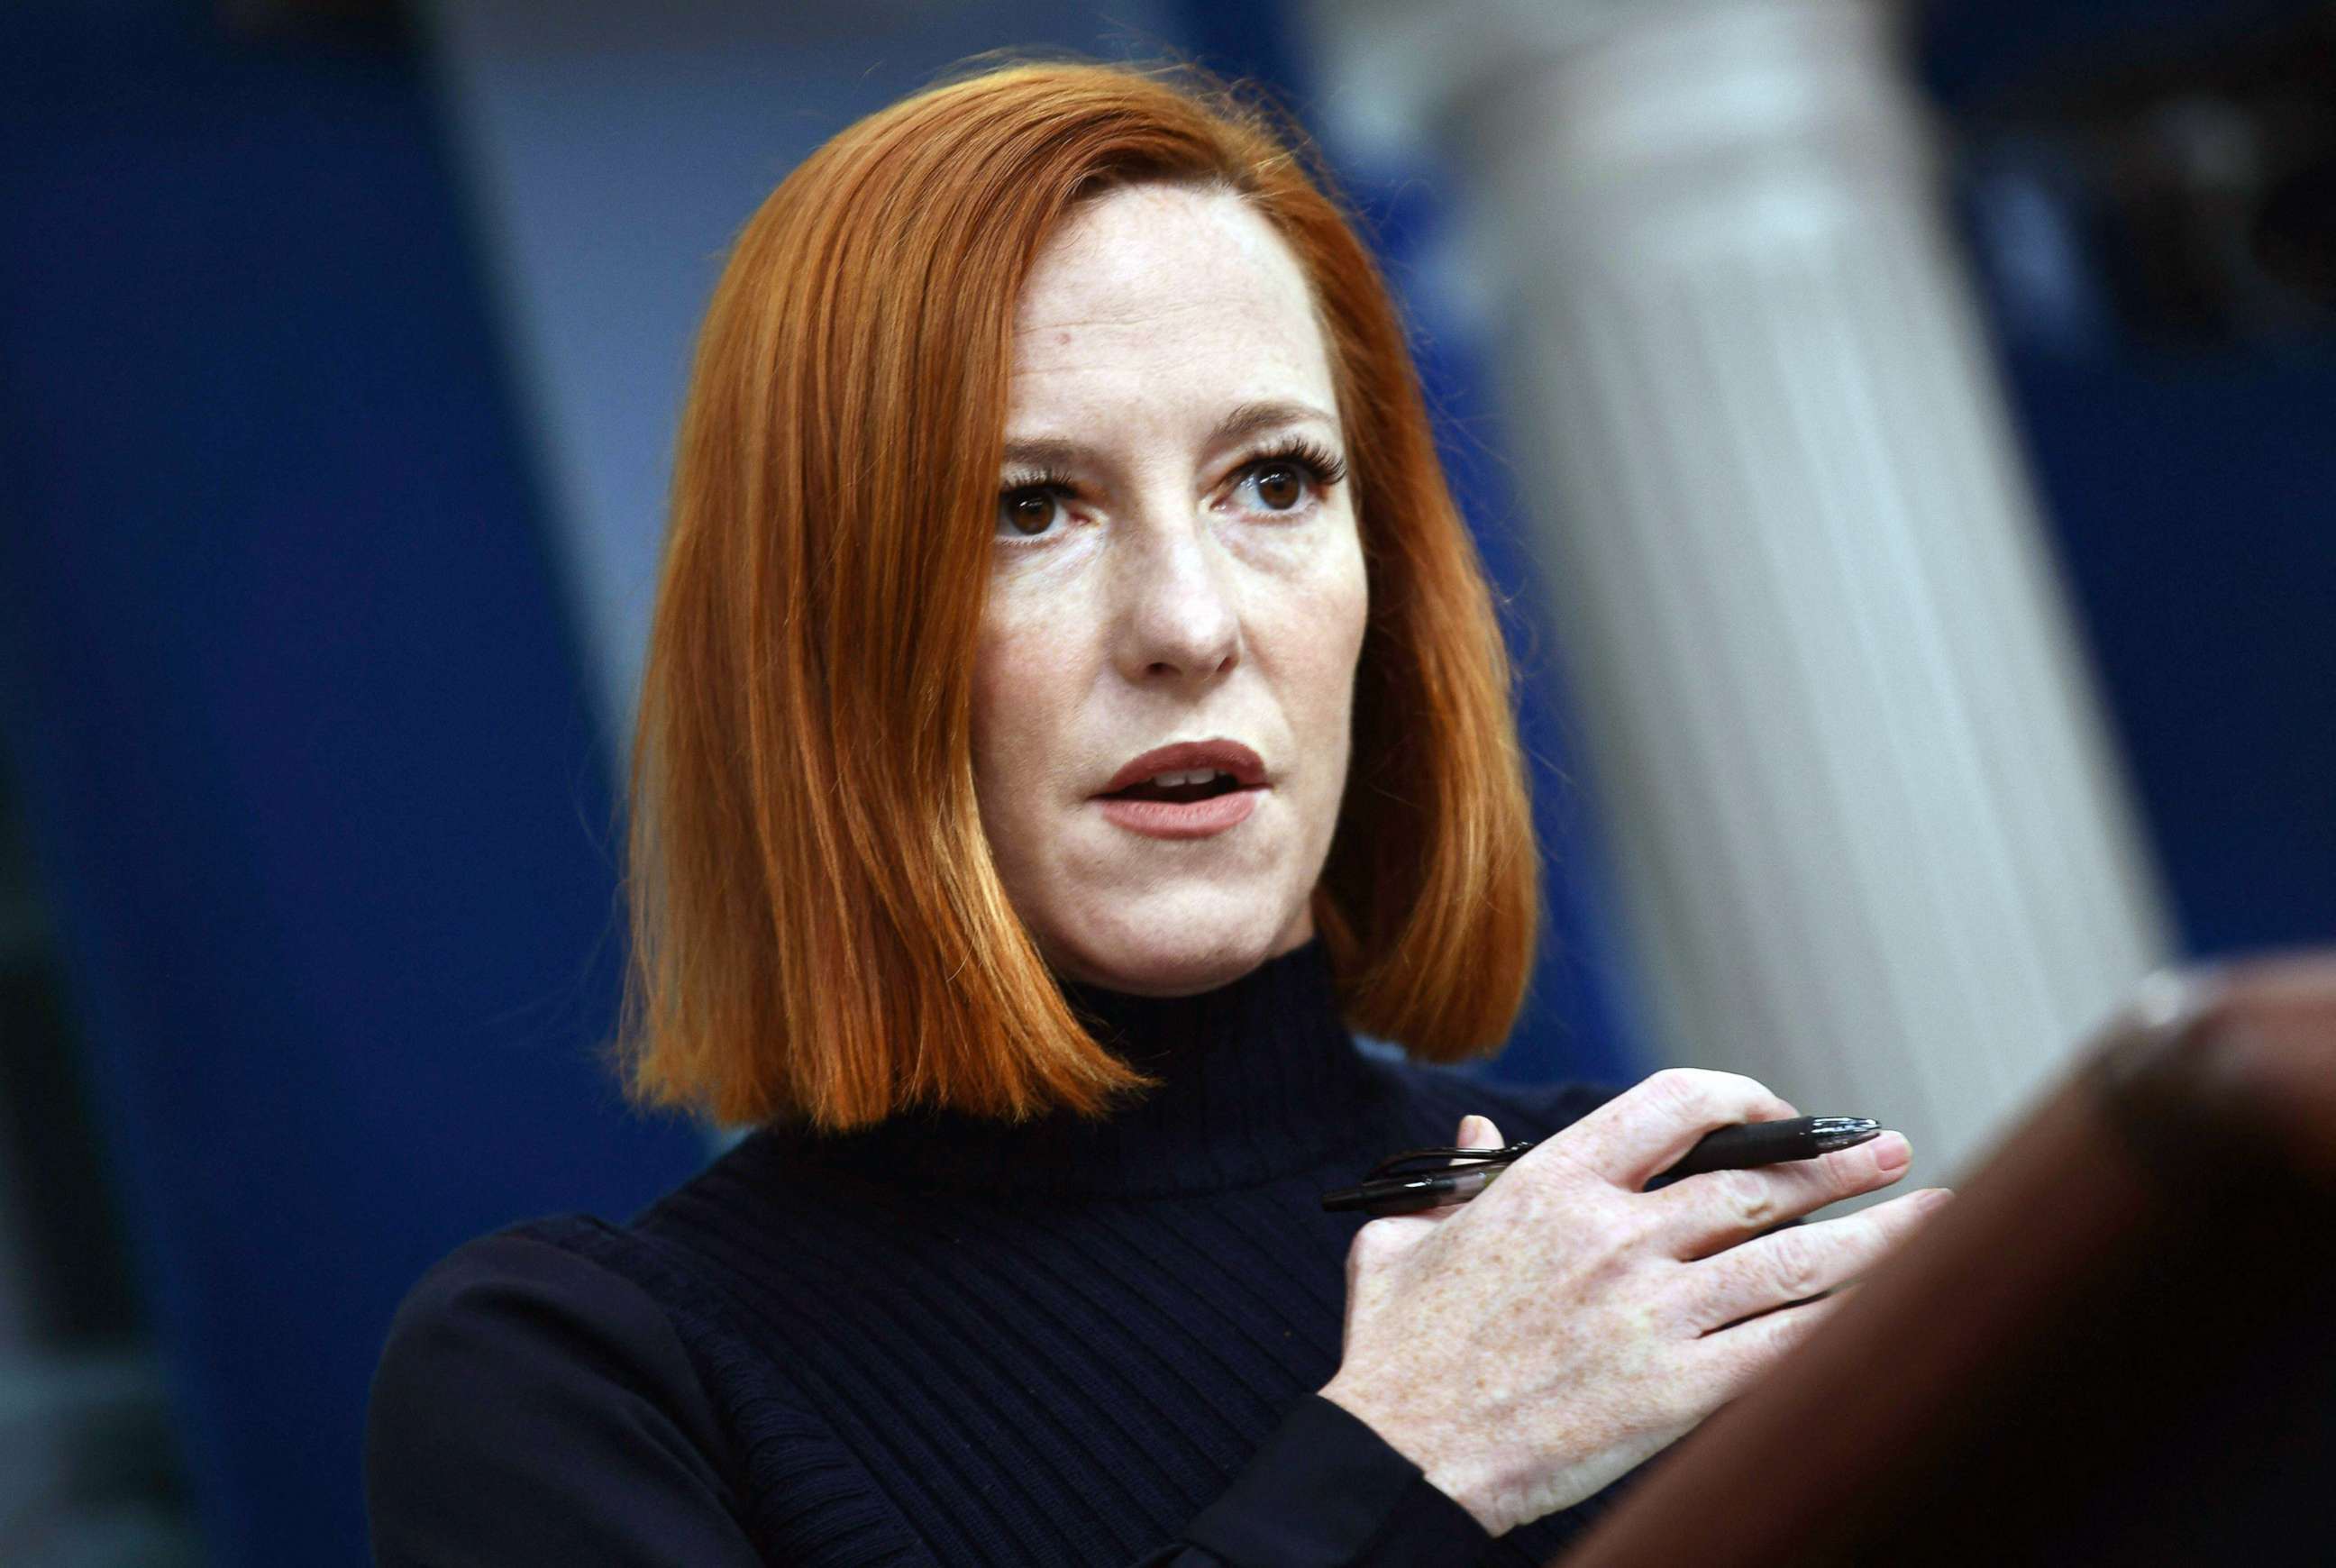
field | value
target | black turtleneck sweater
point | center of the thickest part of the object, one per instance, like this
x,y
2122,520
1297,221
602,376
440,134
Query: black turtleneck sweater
x,y
945,1341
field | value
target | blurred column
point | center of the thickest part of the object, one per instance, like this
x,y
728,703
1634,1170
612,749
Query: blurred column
x,y
1874,842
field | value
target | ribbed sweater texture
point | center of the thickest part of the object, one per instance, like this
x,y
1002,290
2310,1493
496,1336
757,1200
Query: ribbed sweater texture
x,y
948,1340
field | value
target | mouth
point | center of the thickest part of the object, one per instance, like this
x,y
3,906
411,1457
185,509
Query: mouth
x,y
1192,765
1192,790
1181,788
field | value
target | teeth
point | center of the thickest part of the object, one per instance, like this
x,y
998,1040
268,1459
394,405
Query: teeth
x,y
1198,776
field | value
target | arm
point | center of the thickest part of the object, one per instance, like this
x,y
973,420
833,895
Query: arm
x,y
531,1407
1327,1492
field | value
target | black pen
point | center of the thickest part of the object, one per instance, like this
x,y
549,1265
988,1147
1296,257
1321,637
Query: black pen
x,y
1733,1148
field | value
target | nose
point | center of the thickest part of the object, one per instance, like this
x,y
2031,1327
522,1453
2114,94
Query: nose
x,y
1177,622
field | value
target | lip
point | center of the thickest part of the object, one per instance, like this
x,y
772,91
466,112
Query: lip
x,y
1187,819
1228,756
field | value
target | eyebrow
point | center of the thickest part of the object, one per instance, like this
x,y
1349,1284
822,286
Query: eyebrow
x,y
1244,420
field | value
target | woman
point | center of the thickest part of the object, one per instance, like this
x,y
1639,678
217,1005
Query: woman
x,y
1073,705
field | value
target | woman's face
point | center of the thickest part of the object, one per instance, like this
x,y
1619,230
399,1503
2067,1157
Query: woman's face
x,y
1175,561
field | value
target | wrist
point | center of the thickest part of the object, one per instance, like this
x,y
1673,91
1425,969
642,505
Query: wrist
x,y
1488,1499
1480,1496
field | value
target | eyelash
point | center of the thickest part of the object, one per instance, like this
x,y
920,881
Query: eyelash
x,y
1323,467
1324,470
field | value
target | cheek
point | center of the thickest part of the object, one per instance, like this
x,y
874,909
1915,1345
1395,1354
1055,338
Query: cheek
x,y
1325,640
1003,694
1003,741
1026,700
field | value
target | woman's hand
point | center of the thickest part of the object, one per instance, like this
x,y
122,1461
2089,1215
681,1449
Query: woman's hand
x,y
1529,1347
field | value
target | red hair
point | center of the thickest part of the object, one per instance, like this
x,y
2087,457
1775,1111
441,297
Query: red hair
x,y
818,929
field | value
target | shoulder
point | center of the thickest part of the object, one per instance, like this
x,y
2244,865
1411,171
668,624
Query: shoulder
x,y
496,1277
522,1296
521,1380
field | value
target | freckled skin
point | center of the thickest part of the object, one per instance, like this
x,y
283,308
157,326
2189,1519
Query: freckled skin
x,y
1172,598
1523,1349
1527,1348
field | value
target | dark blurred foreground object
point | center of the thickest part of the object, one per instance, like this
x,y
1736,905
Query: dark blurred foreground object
x,y
2115,1347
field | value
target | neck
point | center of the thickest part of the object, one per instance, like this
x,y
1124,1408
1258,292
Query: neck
x,y
1257,1078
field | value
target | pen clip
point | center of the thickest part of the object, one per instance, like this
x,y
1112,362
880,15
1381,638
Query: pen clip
x,y
1445,1158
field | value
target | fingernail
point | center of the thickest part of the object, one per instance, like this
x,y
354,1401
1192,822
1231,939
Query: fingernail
x,y
1935,1198
1472,1131
1892,1151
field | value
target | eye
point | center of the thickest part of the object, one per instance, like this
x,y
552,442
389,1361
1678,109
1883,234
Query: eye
x,y
1028,510
1287,480
1281,485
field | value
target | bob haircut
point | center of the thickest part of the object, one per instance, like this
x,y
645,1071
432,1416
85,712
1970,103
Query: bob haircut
x,y
819,932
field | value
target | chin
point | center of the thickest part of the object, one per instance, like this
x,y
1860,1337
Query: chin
x,y
1176,957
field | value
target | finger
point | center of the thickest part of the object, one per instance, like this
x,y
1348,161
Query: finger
x,y
1650,1126
1475,1133
1800,1263
1740,1355
1703,1214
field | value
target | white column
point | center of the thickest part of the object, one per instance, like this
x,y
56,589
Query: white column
x,y
1873,842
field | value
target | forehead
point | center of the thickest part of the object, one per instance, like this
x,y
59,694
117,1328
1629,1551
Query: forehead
x,y
1178,285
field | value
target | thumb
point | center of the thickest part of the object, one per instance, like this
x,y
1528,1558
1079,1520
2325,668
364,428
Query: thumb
x,y
1477,1132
